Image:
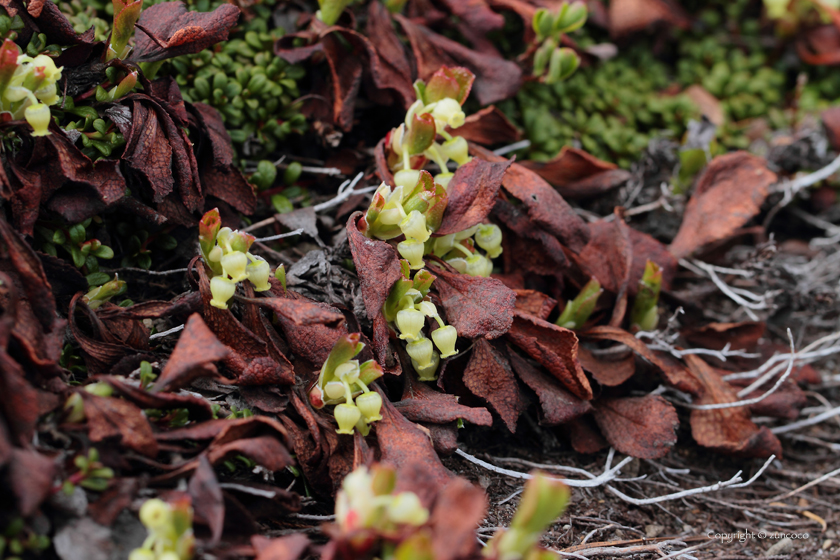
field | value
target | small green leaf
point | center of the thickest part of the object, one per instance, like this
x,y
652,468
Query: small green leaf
x,y
144,261
281,204
97,279
104,252
166,242
77,233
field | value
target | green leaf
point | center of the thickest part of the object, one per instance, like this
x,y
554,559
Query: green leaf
x,y
104,252
144,261
281,204
97,279
166,242
78,257
77,233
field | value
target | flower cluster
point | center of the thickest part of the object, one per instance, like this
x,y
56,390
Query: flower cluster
x,y
27,87
170,531
345,382
226,253
367,501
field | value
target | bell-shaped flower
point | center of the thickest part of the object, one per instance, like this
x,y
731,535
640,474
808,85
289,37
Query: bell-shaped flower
x,y
215,254
448,112
443,179
392,211
445,339
235,265
407,179
406,509
222,290
421,351
467,233
346,415
410,322
412,250
334,390
413,226
479,265
258,273
39,118
489,238
428,309
427,373
458,263
370,405
444,244
156,514
348,371
456,149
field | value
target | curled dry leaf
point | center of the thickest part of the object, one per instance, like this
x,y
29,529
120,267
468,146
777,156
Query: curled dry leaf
x,y
577,174
728,194
629,16
555,348
544,205
207,499
30,475
643,427
609,372
198,407
458,510
535,303
377,265
390,67
558,405
192,357
585,436
301,312
110,417
475,306
489,376
168,30
488,126
472,193
728,430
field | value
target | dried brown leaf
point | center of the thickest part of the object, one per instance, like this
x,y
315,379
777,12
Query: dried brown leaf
x,y
192,357
421,403
475,306
472,193
489,376
643,427
110,417
377,265
558,405
178,31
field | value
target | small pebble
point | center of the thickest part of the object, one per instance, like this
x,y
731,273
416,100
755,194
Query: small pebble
x,y
652,531
782,547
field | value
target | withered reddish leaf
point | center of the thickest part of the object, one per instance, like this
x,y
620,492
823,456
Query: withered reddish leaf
x,y
557,404
710,107
585,436
147,151
290,547
198,407
476,15
207,499
628,16
302,312
192,357
643,427
475,306
114,500
728,194
545,206
377,265
404,444
385,354
459,509
264,450
488,375
729,430
178,31
390,66
577,174
714,336
496,78
421,403
19,404
219,176
554,347
646,248
535,303
820,45
472,193
527,246
488,126
786,403
33,281
346,69
31,478
110,417
609,372
674,372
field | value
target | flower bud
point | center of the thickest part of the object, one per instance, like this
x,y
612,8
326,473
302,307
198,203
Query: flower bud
x,y
413,226
406,509
316,397
489,238
334,389
346,415
443,179
370,405
456,149
234,264
428,309
222,290
348,371
479,265
448,112
459,264
407,178
215,254
258,273
410,322
444,244
412,250
445,339
369,372
156,514
421,351
39,117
